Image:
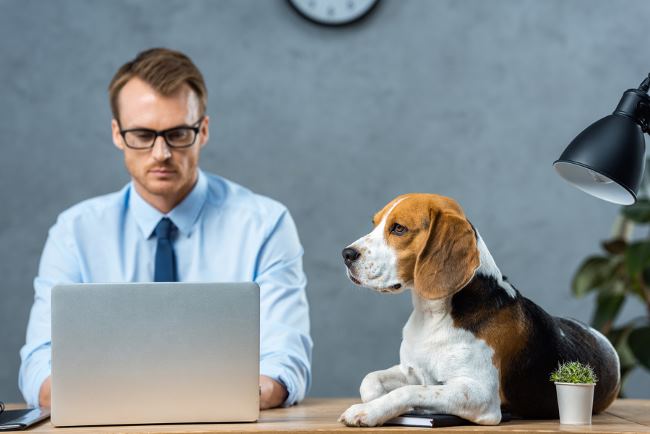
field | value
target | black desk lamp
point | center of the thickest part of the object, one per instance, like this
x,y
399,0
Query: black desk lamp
x,y
607,159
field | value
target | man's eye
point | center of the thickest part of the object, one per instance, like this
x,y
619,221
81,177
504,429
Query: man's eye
x,y
143,135
178,134
398,229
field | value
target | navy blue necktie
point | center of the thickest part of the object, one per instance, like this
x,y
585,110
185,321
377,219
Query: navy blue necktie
x,y
165,270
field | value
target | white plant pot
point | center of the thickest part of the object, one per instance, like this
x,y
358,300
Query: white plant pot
x,y
575,402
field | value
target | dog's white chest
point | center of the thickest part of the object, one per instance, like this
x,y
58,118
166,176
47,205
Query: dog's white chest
x,y
433,351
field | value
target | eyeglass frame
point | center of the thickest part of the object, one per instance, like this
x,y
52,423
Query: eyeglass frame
x,y
162,133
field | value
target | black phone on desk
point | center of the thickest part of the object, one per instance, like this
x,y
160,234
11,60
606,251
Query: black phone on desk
x,y
16,420
435,420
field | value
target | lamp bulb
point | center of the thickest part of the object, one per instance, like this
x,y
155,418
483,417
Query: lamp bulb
x,y
599,178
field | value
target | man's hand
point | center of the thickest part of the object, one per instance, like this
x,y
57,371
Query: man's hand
x,y
44,395
272,393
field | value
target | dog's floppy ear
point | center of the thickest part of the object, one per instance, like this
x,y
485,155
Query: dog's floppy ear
x,y
448,258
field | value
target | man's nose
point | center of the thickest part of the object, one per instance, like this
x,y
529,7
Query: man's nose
x,y
161,151
350,255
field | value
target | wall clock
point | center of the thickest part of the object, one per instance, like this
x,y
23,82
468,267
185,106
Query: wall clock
x,y
333,12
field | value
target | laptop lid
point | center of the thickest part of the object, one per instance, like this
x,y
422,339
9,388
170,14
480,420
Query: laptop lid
x,y
139,353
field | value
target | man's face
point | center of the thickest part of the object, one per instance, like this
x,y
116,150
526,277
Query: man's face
x,y
160,173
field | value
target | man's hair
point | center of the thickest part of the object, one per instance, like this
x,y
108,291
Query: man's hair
x,y
164,70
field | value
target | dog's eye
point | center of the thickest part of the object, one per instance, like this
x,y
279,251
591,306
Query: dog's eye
x,y
398,229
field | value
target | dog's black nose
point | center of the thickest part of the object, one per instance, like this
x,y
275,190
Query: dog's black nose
x,y
350,255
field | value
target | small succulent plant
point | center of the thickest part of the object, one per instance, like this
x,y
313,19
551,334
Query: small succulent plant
x,y
575,373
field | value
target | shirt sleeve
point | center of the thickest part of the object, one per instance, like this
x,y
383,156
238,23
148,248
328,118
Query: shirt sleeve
x,y
58,265
285,343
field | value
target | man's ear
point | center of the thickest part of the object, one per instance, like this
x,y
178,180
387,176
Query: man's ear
x,y
204,131
449,257
117,137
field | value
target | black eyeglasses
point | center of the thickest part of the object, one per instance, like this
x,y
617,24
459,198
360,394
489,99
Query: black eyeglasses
x,y
177,137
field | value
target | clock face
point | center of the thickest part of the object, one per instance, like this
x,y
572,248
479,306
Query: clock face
x,y
333,12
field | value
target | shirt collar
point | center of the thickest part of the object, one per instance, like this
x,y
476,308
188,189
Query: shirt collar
x,y
184,215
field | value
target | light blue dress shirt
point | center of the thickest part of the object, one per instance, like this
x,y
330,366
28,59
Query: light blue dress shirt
x,y
226,233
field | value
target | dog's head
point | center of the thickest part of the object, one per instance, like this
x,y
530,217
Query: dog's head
x,y
421,242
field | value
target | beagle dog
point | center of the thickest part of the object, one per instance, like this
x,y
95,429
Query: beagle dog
x,y
473,344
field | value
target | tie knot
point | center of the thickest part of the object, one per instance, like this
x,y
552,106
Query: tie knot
x,y
164,228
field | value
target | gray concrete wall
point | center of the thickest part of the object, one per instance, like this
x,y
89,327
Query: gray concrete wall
x,y
467,98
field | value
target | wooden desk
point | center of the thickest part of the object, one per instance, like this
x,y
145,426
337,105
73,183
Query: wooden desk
x,y
320,414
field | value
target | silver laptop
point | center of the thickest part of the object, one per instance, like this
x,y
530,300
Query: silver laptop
x,y
149,353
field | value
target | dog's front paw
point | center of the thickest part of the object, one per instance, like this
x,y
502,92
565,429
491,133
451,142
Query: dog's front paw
x,y
361,415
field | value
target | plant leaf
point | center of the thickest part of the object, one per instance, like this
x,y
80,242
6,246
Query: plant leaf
x,y
615,246
637,257
608,305
639,212
593,272
618,338
639,343
646,274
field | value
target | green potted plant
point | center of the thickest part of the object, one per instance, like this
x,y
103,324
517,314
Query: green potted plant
x,y
574,384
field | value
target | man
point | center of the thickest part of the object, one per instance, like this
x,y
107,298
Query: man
x,y
173,222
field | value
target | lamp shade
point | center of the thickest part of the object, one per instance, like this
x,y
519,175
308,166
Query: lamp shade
x,y
607,159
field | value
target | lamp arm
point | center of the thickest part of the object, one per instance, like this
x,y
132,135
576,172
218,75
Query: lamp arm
x,y
645,84
643,115
642,111
635,104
